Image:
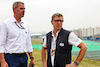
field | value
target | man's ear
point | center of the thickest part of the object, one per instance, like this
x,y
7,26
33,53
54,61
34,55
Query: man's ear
x,y
51,22
13,9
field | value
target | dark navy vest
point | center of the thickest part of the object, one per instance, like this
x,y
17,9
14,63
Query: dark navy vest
x,y
62,53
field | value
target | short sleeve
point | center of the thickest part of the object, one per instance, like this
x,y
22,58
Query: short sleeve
x,y
74,40
44,43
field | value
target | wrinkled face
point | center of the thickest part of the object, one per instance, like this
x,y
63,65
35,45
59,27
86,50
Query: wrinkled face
x,y
57,22
20,10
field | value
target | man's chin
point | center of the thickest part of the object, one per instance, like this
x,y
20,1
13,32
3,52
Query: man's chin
x,y
59,28
22,16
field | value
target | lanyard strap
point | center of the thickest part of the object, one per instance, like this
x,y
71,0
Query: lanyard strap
x,y
19,26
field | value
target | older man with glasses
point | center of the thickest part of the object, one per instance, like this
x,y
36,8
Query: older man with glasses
x,y
58,44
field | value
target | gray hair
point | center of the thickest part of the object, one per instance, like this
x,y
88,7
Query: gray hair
x,y
57,14
15,4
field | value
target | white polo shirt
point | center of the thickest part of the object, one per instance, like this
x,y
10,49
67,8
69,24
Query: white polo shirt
x,y
72,39
14,39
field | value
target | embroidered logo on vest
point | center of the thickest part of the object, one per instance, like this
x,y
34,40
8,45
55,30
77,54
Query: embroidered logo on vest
x,y
61,44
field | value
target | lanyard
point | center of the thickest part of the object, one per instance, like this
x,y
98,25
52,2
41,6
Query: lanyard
x,y
19,26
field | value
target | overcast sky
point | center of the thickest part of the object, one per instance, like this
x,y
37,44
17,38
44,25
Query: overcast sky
x,y
77,13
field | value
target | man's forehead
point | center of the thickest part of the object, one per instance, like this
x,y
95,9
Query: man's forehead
x,y
20,5
58,17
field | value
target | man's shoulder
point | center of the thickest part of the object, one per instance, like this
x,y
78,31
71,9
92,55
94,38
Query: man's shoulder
x,y
5,21
8,20
65,31
49,33
25,23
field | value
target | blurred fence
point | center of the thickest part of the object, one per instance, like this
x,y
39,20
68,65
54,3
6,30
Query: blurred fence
x,y
94,55
93,51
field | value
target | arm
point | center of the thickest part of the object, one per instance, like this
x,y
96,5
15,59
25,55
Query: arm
x,y
44,62
2,60
31,58
3,35
29,47
75,41
82,52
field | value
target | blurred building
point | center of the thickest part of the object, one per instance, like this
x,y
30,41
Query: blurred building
x,y
87,32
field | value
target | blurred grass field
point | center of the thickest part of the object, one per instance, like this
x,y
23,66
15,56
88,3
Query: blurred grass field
x,y
37,41
84,62
38,60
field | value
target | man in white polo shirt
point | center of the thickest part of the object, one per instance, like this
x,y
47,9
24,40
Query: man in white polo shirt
x,y
58,44
15,40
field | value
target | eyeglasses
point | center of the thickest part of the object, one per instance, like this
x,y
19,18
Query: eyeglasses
x,y
22,8
58,20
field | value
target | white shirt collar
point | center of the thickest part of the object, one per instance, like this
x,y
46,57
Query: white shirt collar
x,y
56,33
13,20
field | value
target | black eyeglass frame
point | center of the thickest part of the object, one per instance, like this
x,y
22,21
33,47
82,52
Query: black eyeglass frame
x,y
58,20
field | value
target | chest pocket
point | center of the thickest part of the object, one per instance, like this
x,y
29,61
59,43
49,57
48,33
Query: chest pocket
x,y
62,42
12,33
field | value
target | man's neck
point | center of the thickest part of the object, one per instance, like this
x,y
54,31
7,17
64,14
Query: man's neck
x,y
17,18
55,31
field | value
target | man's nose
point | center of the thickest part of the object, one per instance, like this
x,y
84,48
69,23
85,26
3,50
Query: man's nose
x,y
59,21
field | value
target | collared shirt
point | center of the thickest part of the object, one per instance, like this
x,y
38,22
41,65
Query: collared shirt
x,y
14,39
53,47
72,39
